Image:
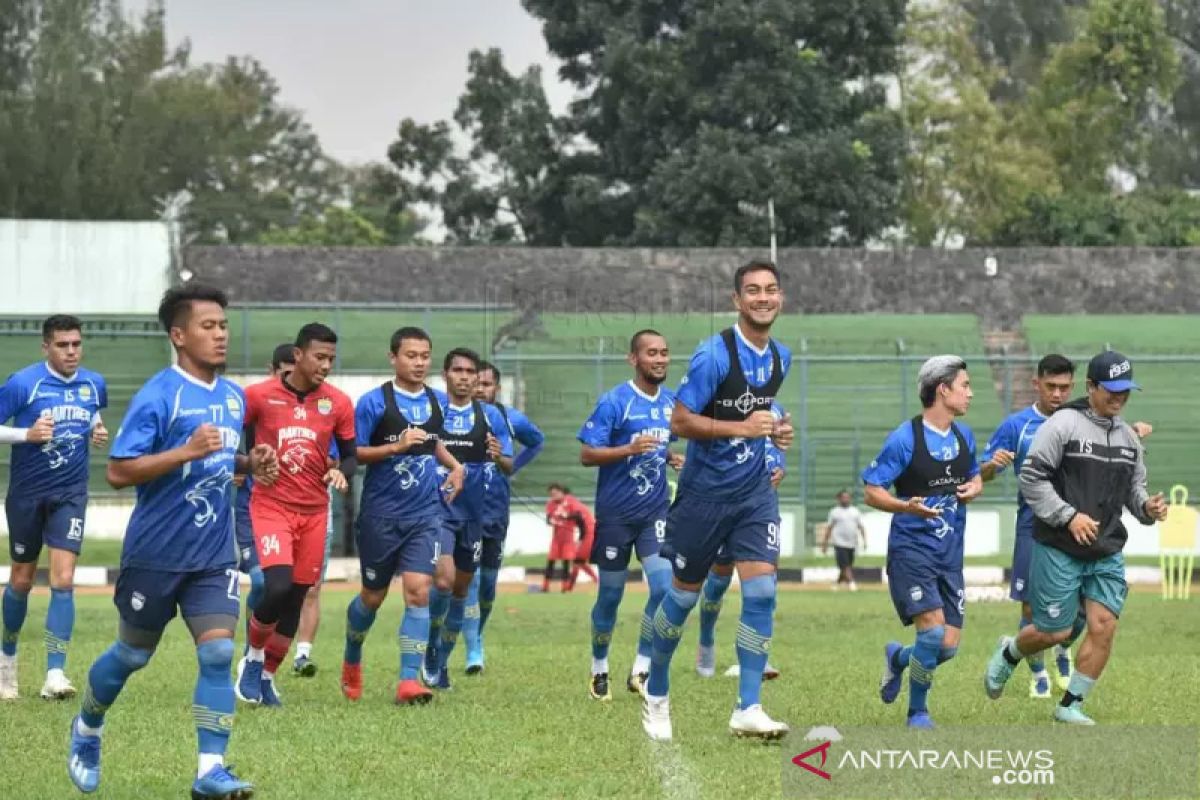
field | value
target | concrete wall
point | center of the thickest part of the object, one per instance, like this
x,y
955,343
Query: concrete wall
x,y
1035,280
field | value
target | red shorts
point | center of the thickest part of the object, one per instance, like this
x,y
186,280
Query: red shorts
x,y
583,550
562,547
284,537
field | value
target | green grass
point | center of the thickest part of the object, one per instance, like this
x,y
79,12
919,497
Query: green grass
x,y
526,727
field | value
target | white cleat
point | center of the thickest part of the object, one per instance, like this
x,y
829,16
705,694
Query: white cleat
x,y
754,722
57,687
8,677
706,661
656,718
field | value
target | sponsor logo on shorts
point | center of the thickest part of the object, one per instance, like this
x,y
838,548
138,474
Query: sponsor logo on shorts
x,y
19,549
138,601
325,405
680,562
916,594
1019,585
370,573
610,553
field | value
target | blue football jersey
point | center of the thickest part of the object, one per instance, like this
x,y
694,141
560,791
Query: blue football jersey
x,y
1016,434
635,488
725,468
499,490
460,420
940,538
182,521
403,486
61,464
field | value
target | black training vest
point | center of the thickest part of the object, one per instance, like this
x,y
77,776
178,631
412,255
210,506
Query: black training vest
x,y
736,399
470,447
925,476
394,423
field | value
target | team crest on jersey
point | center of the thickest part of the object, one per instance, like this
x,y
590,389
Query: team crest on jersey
x,y
654,413
325,405
235,408
85,393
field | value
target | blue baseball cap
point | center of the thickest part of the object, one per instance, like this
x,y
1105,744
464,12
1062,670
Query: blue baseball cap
x,y
1113,371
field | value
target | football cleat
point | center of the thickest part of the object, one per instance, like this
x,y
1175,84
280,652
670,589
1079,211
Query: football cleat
x,y
598,687
83,760
221,784
248,686
892,680
352,686
411,693
706,661
303,667
753,722
656,718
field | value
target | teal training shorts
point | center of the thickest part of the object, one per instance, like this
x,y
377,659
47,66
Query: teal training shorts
x,y
1057,581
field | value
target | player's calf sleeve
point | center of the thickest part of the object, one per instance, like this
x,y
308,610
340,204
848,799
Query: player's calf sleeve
x,y
15,607
713,593
470,627
668,627
921,664
754,636
658,580
213,700
414,633
487,594
107,677
604,611
60,620
359,620
1036,664
945,654
439,603
275,652
451,628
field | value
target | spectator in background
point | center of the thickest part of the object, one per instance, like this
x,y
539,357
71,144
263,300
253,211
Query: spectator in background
x,y
844,527
563,516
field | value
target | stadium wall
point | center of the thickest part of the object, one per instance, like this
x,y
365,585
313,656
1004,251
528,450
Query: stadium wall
x,y
1024,281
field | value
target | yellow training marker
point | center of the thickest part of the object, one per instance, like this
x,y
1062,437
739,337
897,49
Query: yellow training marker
x,y
1177,544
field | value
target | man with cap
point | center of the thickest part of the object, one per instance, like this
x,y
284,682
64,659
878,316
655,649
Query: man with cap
x,y
1084,468
930,461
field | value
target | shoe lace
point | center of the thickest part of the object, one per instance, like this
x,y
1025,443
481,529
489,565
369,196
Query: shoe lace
x,y
89,751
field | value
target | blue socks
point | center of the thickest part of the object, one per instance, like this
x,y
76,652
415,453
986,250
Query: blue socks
x,y
1036,664
414,633
487,595
668,627
107,677
604,611
439,602
470,626
714,590
658,579
359,619
450,629
60,620
15,606
923,660
212,703
754,637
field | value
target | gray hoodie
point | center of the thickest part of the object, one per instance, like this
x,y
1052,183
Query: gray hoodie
x,y
1081,462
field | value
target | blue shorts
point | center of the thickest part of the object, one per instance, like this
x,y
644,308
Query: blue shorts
x,y
465,539
494,534
697,528
1018,584
919,584
243,532
616,542
53,521
147,598
388,547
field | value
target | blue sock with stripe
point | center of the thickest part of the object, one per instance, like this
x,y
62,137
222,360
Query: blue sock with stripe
x,y
604,611
668,627
450,629
60,620
658,579
359,620
487,595
107,678
714,590
921,664
15,607
754,637
414,633
213,700
439,602
470,627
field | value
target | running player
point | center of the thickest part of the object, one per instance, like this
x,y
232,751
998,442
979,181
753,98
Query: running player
x,y
300,415
55,405
399,426
627,437
475,435
495,516
931,461
178,445
565,515
1009,445
721,575
1084,469
725,497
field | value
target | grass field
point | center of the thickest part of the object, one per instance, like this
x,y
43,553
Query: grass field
x,y
526,727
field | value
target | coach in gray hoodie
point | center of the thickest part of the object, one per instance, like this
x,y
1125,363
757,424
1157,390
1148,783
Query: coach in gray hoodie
x,y
1084,468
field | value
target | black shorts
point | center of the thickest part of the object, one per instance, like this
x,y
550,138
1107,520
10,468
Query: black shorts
x,y
844,555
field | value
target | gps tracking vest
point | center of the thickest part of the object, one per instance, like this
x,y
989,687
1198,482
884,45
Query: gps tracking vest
x,y
469,447
925,476
393,424
735,399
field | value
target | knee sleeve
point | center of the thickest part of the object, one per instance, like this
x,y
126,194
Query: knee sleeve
x,y
134,658
929,646
215,655
760,592
683,598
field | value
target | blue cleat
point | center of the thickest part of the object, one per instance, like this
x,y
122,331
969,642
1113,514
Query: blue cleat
x,y
998,671
921,721
221,784
475,661
1063,667
443,680
248,686
889,685
83,760
1072,715
431,662
270,697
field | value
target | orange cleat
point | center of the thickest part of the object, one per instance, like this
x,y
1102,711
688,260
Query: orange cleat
x,y
352,680
412,693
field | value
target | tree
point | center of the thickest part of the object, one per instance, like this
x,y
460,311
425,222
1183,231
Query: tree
x,y
1141,219
335,227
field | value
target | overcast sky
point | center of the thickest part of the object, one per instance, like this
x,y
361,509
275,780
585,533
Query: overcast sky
x,y
357,67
